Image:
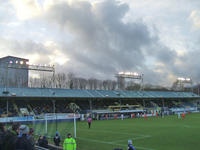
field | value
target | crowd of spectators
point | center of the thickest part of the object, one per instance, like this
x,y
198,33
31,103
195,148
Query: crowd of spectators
x,y
38,107
17,137
33,108
3,110
21,137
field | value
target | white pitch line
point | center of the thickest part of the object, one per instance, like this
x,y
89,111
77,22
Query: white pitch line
x,y
187,126
133,138
122,133
111,143
195,117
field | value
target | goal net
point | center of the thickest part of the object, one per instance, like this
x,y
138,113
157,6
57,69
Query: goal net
x,y
52,123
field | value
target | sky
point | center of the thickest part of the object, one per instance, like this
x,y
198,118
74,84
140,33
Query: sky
x,y
99,38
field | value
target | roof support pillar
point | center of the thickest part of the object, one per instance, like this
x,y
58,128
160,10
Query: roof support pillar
x,y
90,104
143,103
7,106
163,103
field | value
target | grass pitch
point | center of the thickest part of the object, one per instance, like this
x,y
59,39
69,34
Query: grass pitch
x,y
169,133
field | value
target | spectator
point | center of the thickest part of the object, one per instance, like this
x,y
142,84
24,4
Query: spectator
x,y
44,142
11,137
40,141
23,142
69,143
130,145
2,134
56,139
31,138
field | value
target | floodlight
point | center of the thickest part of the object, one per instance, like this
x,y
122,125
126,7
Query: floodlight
x,y
129,75
188,79
184,79
181,79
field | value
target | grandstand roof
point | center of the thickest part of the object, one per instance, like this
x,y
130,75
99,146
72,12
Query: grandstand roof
x,y
12,57
71,93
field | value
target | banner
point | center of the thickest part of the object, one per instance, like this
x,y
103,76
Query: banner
x,y
60,116
16,119
48,116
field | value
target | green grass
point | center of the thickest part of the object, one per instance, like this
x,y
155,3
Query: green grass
x,y
167,133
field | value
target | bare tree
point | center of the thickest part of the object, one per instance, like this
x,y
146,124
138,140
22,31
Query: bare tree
x,y
93,83
114,85
43,82
82,83
100,84
60,80
105,84
75,83
121,83
70,78
90,83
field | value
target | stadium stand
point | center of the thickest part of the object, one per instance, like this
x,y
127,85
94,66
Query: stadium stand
x,y
45,92
35,101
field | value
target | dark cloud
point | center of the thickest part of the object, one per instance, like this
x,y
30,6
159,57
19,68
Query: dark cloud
x,y
190,65
103,42
25,48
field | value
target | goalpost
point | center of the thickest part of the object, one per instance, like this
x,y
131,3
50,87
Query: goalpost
x,y
49,124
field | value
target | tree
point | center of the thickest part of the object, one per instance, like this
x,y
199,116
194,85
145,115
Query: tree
x,y
92,83
135,86
60,80
113,85
70,78
82,83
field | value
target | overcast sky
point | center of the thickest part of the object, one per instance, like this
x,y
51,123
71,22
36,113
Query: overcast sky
x,y
98,38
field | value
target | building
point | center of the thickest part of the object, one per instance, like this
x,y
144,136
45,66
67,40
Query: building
x,y
13,72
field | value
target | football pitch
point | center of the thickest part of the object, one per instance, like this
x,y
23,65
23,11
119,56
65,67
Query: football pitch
x,y
168,133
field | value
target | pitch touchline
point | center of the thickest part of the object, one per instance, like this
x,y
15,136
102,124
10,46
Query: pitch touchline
x,y
112,143
134,138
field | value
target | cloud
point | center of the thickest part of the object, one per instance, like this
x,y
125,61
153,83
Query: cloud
x,y
195,17
45,53
97,39
6,12
102,42
27,9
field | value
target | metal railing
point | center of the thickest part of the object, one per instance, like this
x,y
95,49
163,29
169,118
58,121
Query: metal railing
x,y
51,147
40,148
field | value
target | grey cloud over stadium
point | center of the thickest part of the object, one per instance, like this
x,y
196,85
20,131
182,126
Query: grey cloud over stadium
x,y
99,39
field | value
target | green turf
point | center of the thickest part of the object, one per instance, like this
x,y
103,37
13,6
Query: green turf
x,y
167,133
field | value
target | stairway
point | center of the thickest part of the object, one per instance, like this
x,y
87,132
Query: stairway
x,y
16,108
153,104
30,108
